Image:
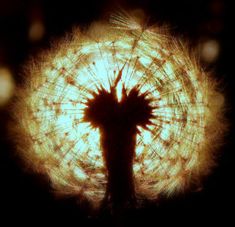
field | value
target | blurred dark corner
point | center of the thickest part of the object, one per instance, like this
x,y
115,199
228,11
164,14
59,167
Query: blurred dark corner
x,y
26,27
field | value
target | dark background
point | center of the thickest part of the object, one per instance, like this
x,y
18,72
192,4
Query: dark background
x,y
28,200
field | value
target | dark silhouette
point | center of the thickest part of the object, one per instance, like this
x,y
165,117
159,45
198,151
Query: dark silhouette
x,y
118,121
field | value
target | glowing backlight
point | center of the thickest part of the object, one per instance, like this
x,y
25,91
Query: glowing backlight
x,y
170,153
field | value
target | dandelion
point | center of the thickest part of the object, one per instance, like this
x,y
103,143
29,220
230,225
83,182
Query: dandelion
x,y
119,112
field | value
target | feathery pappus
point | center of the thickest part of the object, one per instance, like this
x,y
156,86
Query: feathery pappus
x,y
119,88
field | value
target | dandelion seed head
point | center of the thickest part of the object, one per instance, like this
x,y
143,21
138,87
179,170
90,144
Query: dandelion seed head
x,y
171,152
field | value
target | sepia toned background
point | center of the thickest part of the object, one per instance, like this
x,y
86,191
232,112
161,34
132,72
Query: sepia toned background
x,y
27,27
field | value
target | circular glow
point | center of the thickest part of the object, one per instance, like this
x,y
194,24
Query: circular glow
x,y
210,50
6,86
171,152
36,31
